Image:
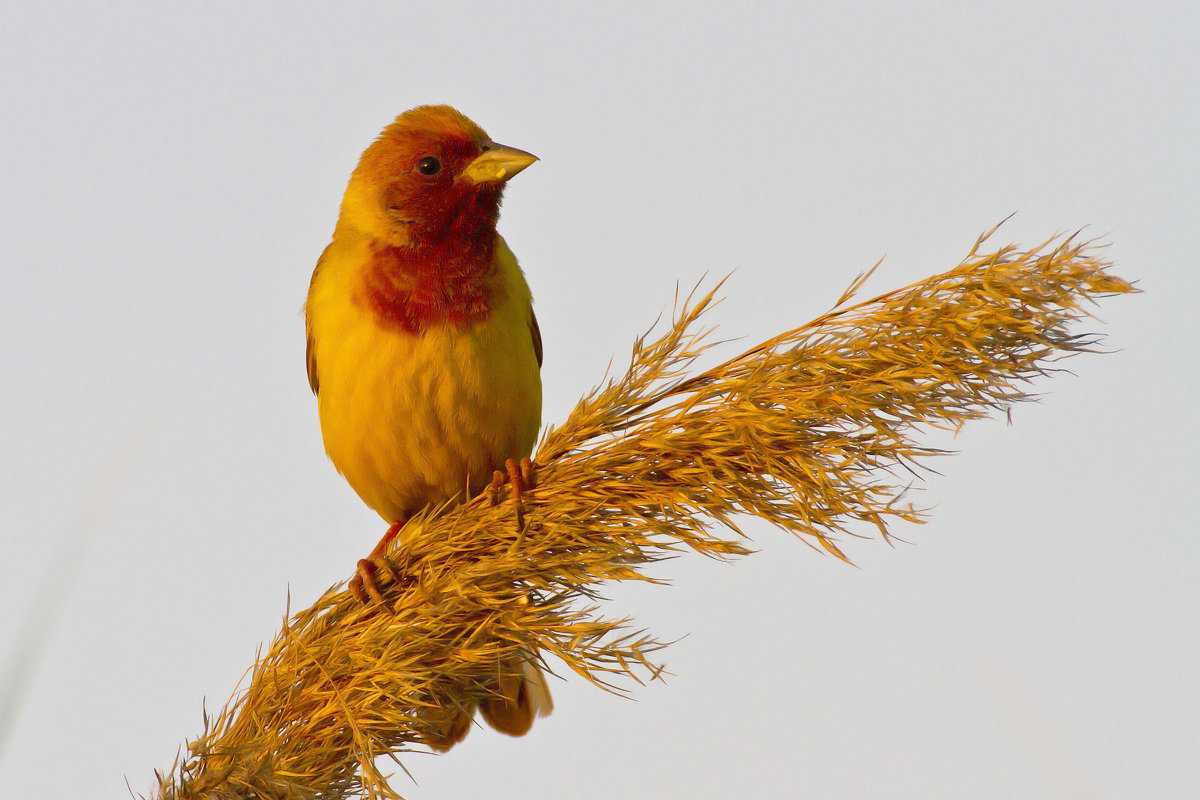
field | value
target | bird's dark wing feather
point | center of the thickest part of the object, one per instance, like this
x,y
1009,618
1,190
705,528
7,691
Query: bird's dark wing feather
x,y
537,337
310,355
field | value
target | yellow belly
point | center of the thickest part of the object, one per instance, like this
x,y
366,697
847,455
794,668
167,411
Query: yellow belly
x,y
417,419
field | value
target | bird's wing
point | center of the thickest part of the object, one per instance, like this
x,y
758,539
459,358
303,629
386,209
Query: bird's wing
x,y
312,363
534,331
310,355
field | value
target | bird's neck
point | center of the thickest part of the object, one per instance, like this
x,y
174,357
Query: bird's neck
x,y
448,280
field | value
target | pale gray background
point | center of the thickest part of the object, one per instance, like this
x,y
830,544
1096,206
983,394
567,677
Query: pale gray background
x,y
170,176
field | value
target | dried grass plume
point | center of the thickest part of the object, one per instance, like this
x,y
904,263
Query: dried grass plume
x,y
815,430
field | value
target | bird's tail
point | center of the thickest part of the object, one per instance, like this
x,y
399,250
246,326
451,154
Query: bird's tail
x,y
519,697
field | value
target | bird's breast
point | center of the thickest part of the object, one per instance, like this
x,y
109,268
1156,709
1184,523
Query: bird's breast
x,y
454,282
420,407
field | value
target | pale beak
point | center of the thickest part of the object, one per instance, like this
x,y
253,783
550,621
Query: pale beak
x,y
497,163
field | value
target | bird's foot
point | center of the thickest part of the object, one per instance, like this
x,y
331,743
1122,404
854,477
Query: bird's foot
x,y
365,583
529,473
520,477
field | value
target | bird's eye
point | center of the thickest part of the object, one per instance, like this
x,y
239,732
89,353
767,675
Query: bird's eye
x,y
429,166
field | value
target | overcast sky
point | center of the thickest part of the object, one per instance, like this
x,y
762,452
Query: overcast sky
x,y
169,177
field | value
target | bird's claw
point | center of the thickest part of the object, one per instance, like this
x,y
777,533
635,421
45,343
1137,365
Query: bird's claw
x,y
520,477
365,583
529,473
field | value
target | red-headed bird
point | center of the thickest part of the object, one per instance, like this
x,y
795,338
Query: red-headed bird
x,y
423,350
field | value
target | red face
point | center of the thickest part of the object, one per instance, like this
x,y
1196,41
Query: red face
x,y
417,163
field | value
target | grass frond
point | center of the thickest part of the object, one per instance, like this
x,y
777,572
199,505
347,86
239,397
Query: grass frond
x,y
816,430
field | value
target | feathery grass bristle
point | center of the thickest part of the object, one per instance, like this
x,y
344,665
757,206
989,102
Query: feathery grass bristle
x,y
815,430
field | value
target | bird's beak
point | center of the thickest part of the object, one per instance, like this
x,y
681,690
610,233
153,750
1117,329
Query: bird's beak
x,y
497,163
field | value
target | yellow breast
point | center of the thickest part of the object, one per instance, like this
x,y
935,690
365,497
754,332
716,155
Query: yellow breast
x,y
413,419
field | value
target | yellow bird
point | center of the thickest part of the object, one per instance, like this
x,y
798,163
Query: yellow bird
x,y
423,350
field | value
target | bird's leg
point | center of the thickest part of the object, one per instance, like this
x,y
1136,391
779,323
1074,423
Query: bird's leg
x,y
387,537
364,585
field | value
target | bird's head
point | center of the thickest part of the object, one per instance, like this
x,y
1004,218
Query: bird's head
x,y
430,173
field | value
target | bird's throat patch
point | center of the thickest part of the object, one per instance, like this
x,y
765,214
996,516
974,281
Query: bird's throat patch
x,y
412,288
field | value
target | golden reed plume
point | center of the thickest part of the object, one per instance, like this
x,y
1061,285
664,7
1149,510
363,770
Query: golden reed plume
x,y
814,430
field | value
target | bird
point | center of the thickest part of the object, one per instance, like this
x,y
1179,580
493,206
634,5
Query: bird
x,y
423,350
